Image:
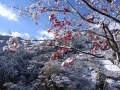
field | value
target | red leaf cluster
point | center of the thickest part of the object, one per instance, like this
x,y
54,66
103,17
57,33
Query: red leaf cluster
x,y
67,22
67,62
42,10
61,51
11,51
105,10
91,18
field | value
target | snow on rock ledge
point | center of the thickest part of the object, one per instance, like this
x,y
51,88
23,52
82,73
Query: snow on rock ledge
x,y
110,70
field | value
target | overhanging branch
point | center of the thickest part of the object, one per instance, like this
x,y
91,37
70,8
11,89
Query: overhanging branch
x,y
80,14
94,9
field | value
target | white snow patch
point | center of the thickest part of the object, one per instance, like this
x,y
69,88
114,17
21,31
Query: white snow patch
x,y
94,75
110,81
112,68
106,62
109,65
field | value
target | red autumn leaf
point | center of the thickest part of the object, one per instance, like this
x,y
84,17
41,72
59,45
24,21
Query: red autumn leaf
x,y
94,28
76,34
57,23
42,9
96,38
80,24
92,57
84,15
90,36
115,30
11,51
96,43
62,25
49,30
67,22
94,49
67,62
53,58
66,10
56,8
105,9
91,18
52,17
104,45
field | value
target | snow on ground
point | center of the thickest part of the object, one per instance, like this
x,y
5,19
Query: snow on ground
x,y
107,64
110,66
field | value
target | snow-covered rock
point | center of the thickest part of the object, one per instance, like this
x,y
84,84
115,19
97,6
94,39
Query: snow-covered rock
x,y
109,69
112,84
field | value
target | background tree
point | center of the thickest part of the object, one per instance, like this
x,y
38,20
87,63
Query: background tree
x,y
99,19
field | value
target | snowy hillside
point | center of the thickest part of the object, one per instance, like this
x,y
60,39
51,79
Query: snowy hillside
x,y
25,70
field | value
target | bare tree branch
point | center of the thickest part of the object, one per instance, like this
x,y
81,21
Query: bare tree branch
x,y
104,28
80,14
94,9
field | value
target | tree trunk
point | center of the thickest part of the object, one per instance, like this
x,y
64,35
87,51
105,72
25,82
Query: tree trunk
x,y
117,58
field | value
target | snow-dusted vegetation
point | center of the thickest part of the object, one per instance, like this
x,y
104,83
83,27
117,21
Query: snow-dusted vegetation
x,y
34,70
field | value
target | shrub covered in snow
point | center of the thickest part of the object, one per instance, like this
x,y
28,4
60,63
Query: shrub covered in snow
x,y
34,70
51,67
19,68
